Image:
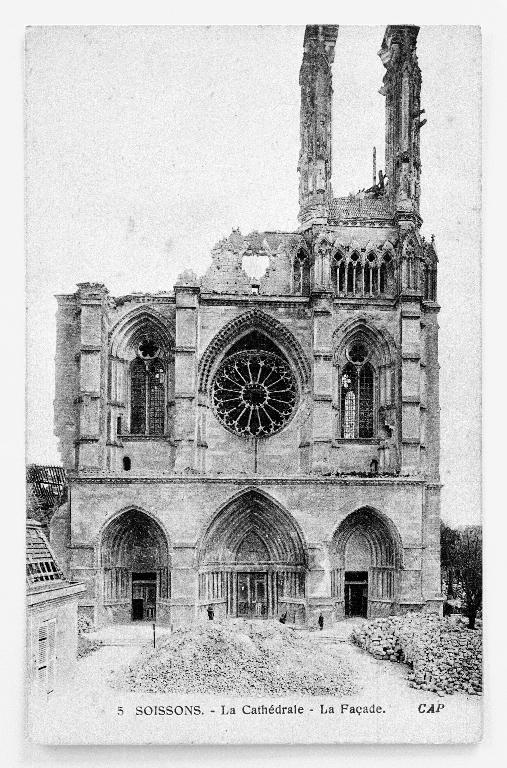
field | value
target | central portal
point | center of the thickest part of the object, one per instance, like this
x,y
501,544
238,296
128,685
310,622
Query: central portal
x,y
253,562
252,595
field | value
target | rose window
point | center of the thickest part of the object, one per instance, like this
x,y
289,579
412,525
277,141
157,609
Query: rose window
x,y
254,393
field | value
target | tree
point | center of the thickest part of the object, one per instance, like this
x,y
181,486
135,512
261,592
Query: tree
x,y
469,563
448,558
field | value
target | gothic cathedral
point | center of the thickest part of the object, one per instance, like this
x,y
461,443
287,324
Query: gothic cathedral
x,y
263,440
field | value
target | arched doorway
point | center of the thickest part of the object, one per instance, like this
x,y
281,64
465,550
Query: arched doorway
x,y
135,569
253,562
366,557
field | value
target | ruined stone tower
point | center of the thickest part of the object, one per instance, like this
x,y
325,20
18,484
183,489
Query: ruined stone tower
x,y
316,80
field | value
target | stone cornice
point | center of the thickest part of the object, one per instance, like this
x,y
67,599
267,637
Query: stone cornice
x,y
255,481
430,307
360,222
145,439
143,298
229,298
365,302
66,590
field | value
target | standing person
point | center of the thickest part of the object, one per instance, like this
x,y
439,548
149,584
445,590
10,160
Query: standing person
x,y
320,621
283,618
211,613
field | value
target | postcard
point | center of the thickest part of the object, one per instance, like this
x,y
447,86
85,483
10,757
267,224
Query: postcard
x,y
253,504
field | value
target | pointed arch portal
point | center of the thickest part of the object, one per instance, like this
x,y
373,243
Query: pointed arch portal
x,y
135,566
253,561
366,557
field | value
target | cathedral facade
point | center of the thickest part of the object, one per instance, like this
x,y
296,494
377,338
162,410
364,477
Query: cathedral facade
x,y
264,440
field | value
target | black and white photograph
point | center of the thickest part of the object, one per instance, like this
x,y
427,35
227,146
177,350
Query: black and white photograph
x,y
253,445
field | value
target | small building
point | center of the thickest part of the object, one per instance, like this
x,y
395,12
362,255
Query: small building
x,y
51,615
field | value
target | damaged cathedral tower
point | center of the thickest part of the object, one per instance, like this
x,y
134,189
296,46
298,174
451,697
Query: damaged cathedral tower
x,y
264,440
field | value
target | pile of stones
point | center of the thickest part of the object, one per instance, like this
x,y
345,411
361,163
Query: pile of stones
x,y
86,644
444,655
238,658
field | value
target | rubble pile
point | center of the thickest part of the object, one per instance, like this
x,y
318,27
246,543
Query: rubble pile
x,y
238,658
85,644
444,655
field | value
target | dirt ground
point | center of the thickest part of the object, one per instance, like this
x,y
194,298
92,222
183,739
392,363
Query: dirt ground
x,y
380,679
90,691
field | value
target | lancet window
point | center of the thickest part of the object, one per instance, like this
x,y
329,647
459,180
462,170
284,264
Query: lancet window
x,y
428,281
147,391
301,274
354,275
357,394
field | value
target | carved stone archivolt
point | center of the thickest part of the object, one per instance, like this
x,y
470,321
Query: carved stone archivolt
x,y
135,327
247,322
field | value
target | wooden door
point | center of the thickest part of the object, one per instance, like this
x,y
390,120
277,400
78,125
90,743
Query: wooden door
x,y
356,599
252,595
244,595
150,602
259,595
144,599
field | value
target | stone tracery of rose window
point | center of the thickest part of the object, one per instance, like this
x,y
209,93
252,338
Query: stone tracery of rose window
x,y
254,393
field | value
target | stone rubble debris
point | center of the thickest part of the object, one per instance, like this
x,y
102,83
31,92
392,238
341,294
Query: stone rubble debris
x,y
444,655
243,658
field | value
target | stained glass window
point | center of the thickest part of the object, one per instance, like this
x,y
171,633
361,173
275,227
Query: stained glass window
x,y
349,418
348,401
138,397
156,397
357,396
147,397
366,401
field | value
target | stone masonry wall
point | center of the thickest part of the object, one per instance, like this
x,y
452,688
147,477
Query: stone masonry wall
x,y
184,509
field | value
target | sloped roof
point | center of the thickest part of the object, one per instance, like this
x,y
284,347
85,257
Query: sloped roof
x,y
47,484
42,570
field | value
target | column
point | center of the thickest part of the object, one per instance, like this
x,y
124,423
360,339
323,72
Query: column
x,y
410,386
185,367
92,384
431,585
323,380
184,585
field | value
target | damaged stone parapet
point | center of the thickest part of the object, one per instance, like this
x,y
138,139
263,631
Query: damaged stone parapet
x,y
353,207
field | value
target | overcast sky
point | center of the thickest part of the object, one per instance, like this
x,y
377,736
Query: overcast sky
x,y
146,145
